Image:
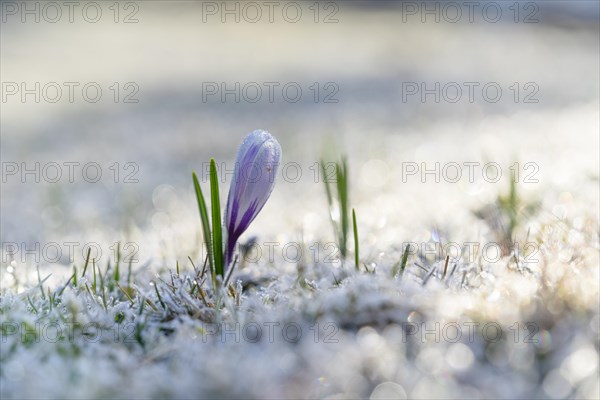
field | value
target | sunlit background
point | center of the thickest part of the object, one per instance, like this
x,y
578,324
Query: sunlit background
x,y
363,59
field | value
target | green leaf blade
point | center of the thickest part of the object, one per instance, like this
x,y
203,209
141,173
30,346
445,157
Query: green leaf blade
x,y
216,219
342,186
205,223
355,226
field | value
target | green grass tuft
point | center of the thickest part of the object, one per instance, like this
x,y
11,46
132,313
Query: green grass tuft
x,y
341,225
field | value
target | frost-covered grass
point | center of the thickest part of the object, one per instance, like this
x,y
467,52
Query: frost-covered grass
x,y
422,326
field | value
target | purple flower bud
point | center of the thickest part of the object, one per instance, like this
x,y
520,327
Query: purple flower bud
x,y
254,178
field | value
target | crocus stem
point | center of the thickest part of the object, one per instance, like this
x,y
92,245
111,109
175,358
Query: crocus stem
x,y
229,252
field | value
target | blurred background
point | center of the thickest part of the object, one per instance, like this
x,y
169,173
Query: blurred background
x,y
147,91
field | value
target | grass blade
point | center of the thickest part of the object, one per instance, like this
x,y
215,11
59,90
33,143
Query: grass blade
x,y
404,260
205,224
446,267
341,221
342,187
216,219
117,275
87,261
160,300
400,266
126,294
31,304
326,182
40,282
94,268
328,191
129,272
73,277
354,225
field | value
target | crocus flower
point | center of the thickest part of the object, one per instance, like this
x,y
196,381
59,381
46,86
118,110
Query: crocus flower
x,y
254,178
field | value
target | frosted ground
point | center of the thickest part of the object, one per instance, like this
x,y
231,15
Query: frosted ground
x,y
363,334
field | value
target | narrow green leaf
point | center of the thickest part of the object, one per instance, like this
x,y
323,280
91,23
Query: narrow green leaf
x,y
404,259
129,271
326,182
102,277
159,297
328,191
205,225
31,304
50,299
342,186
216,219
401,264
104,300
40,283
512,210
117,262
73,277
446,267
94,268
87,261
126,294
92,296
110,282
142,305
355,238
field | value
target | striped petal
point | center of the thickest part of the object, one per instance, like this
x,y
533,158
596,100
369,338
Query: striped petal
x,y
256,167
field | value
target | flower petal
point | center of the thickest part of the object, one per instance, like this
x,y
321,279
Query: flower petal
x,y
256,167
